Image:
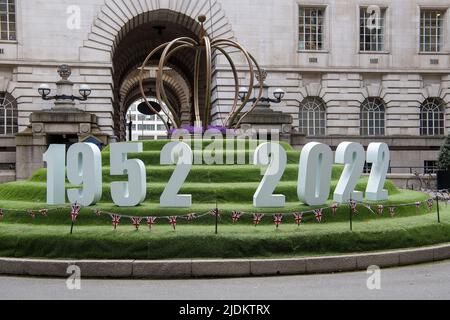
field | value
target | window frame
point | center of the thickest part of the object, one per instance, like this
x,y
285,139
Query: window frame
x,y
425,130
371,119
318,131
386,27
8,23
14,118
325,27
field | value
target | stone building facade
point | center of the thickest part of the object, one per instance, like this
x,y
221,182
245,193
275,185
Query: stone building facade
x,y
351,71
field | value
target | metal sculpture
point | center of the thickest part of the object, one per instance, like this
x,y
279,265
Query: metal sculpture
x,y
207,45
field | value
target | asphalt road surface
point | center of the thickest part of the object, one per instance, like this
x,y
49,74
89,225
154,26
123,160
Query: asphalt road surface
x,y
431,281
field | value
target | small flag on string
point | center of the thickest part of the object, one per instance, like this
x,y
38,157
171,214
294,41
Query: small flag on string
x,y
318,214
215,212
392,211
236,216
418,205
2,214
353,206
191,217
278,218
430,203
136,222
173,222
44,212
380,209
257,218
150,222
97,212
115,220
298,216
75,211
32,214
334,208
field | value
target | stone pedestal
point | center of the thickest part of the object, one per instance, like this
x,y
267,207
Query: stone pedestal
x,y
263,117
63,126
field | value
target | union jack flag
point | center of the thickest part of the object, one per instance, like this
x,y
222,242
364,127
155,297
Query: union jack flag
x,y
418,205
191,217
151,222
116,220
215,212
98,213
32,214
44,212
298,216
380,209
257,218
75,211
173,222
136,222
430,203
235,216
1,214
353,206
392,211
318,214
278,218
334,208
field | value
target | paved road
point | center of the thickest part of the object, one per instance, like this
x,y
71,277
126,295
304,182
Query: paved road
x,y
430,281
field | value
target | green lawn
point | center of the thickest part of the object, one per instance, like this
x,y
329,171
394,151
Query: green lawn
x,y
232,188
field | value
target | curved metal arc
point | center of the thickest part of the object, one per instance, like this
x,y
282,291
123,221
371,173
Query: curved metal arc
x,y
160,90
198,54
141,86
221,42
261,85
236,82
208,50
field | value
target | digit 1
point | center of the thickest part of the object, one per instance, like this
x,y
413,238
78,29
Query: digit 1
x,y
314,175
55,157
84,167
378,154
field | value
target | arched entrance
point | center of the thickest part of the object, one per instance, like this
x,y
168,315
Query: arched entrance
x,y
136,39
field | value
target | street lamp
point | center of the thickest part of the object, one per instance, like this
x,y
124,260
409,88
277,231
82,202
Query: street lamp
x,y
278,94
44,91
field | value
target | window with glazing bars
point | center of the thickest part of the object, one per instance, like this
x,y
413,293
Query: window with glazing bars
x,y
8,114
312,117
371,30
432,113
373,117
311,28
8,20
431,30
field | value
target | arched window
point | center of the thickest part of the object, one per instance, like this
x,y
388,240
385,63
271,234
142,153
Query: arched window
x,y
312,117
373,117
8,114
432,113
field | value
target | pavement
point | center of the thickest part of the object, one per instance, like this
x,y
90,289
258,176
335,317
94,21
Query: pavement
x,y
426,281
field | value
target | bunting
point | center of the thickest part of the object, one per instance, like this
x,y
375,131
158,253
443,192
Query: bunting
x,y
75,211
115,220
430,203
2,214
298,216
44,212
136,221
235,216
151,222
334,208
318,213
380,209
257,218
392,211
173,222
97,213
32,214
278,218
191,217
353,206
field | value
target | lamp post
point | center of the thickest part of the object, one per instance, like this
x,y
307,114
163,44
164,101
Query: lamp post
x,y
65,99
261,77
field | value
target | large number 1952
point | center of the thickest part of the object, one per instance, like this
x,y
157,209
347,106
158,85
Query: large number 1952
x,y
84,171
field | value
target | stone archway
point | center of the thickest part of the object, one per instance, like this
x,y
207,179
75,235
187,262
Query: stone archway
x,y
129,30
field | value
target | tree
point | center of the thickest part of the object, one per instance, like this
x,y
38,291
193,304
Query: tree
x,y
444,155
